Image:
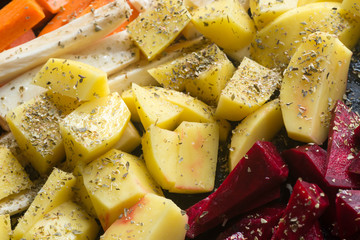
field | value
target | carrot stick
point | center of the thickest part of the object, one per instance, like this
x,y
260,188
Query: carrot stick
x,y
52,6
69,12
95,4
16,18
27,36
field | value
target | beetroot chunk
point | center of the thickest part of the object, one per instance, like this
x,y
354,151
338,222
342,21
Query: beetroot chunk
x,y
354,167
314,233
306,204
258,224
261,170
236,236
341,147
348,212
308,162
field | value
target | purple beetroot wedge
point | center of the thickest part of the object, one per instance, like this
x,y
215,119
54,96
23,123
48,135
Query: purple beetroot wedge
x,y
308,162
341,148
258,224
261,170
236,236
314,233
354,167
348,212
306,204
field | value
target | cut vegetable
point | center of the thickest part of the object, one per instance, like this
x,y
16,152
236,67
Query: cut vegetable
x,y
94,128
263,167
68,13
274,45
247,90
347,212
76,35
314,80
255,127
16,18
307,203
341,147
27,36
115,182
157,27
308,162
257,224
53,6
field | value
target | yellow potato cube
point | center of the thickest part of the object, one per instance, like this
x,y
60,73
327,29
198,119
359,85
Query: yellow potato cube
x,y
72,78
129,140
116,181
64,103
264,11
160,149
35,126
261,125
5,227
197,157
250,87
13,176
226,23
129,99
152,218
155,110
304,2
56,190
94,128
66,221
158,26
202,73
314,80
275,44
352,6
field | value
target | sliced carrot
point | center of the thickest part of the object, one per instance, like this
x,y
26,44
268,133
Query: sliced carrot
x,y
16,18
69,12
52,6
95,4
27,36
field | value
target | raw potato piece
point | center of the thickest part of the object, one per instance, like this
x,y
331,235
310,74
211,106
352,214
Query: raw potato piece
x,y
13,176
262,124
158,26
274,45
160,149
352,6
116,181
72,78
56,190
155,110
198,151
226,23
202,73
5,227
264,11
94,128
314,80
35,125
152,218
66,221
249,88
129,140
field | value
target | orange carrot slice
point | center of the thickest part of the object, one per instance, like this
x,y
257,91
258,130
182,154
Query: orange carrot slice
x,y
95,4
52,6
69,12
16,18
27,36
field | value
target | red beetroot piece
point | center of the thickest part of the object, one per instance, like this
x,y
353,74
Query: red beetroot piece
x,y
354,167
236,236
258,224
348,212
341,147
306,204
259,172
357,135
314,233
308,162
